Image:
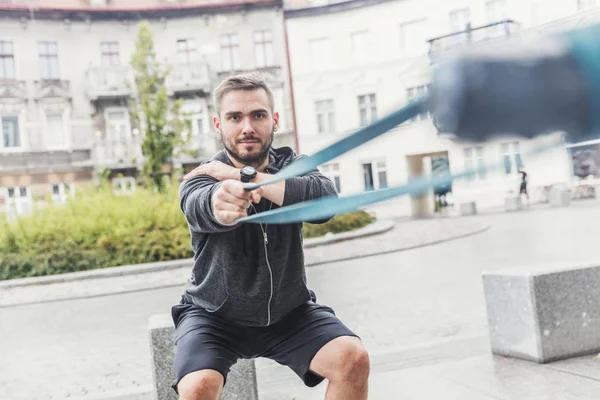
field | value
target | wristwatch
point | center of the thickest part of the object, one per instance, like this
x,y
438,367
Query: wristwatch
x,y
247,174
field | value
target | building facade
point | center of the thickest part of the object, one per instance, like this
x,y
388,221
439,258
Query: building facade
x,y
355,61
66,81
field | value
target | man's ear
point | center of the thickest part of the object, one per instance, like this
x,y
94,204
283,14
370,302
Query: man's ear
x,y
217,124
275,120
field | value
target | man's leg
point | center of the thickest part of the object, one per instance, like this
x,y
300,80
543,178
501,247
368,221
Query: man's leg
x,y
201,385
316,345
345,363
207,347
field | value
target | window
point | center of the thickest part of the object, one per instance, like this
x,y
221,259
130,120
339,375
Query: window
x,y
48,60
263,48
117,132
230,52
459,22
496,12
359,42
375,175
110,54
7,61
19,201
55,130
414,93
61,192
583,4
318,53
325,116
332,171
413,38
123,185
512,157
474,161
367,108
11,137
186,51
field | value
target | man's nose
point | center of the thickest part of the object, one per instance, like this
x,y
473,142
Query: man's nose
x,y
248,128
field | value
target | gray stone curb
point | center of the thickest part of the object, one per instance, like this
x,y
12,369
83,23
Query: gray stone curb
x,y
372,229
400,248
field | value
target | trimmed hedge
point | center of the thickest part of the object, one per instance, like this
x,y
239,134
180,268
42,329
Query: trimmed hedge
x,y
98,229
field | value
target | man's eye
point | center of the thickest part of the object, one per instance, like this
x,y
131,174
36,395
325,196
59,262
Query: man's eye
x,y
234,117
260,115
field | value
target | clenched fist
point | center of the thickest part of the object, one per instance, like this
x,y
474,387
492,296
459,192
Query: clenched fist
x,y
230,202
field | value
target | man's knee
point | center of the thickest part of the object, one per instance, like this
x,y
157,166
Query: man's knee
x,y
353,364
201,385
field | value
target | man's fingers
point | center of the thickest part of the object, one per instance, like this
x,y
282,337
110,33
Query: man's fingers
x,y
229,217
225,197
196,171
256,196
236,188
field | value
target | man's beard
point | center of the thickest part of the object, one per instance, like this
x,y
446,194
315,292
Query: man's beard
x,y
252,159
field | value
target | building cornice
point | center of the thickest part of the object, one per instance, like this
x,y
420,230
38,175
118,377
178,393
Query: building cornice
x,y
84,13
331,8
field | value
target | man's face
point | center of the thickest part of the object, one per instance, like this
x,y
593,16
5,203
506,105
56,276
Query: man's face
x,y
246,124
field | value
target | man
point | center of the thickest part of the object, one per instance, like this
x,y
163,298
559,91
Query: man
x,y
523,185
247,296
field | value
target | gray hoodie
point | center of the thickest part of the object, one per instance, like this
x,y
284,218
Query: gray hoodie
x,y
250,274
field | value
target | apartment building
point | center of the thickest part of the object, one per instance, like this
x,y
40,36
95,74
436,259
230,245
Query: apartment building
x,y
66,80
355,61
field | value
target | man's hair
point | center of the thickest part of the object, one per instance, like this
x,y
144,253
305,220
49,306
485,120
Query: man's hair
x,y
247,81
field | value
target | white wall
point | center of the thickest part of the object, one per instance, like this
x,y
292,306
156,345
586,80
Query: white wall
x,y
388,68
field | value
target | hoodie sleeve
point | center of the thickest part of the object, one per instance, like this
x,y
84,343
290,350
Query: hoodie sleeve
x,y
195,199
311,186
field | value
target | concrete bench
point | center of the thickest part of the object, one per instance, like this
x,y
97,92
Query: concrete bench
x,y
544,314
559,197
468,208
241,380
512,203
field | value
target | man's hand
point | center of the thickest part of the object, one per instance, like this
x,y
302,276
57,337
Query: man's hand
x,y
231,201
216,169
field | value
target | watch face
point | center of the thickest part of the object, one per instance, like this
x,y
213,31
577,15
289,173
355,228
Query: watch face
x,y
247,170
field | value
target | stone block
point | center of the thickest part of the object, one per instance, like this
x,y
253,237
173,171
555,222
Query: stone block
x,y
544,316
468,208
512,203
559,197
241,380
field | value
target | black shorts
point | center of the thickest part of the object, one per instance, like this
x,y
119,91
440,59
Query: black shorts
x,y
207,341
523,188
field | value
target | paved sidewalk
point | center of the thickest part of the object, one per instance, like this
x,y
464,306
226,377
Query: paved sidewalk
x,y
403,236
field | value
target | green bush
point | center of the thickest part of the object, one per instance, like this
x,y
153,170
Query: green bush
x,y
98,229
341,223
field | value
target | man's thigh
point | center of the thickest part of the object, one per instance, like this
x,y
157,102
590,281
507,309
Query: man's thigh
x,y
297,338
205,342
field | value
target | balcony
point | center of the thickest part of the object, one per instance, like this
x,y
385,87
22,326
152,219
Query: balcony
x,y
188,78
52,89
46,161
12,90
107,82
442,46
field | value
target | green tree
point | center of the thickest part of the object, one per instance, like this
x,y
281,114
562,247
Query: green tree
x,y
162,122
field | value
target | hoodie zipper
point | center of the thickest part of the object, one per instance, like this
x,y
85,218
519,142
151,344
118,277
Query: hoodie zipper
x,y
265,243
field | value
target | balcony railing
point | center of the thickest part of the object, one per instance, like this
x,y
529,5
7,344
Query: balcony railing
x,y
107,82
188,78
44,161
442,45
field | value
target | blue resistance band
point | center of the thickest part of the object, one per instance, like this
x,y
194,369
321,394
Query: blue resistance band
x,y
332,205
